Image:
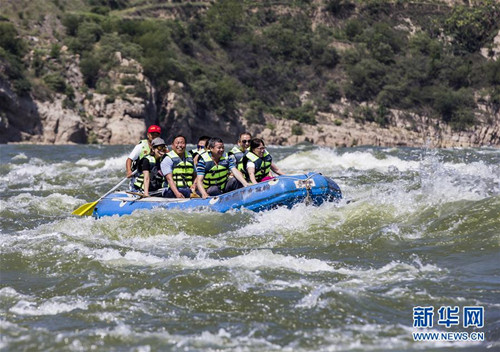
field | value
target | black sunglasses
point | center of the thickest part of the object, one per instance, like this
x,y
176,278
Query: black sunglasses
x,y
245,141
201,146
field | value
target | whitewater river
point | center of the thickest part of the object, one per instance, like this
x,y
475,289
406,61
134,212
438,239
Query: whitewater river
x,y
421,234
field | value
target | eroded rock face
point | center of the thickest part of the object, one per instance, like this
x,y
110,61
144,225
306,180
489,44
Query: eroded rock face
x,y
339,131
60,126
122,119
181,117
19,118
118,122
97,118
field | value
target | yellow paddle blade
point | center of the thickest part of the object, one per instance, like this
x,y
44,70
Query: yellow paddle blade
x,y
85,210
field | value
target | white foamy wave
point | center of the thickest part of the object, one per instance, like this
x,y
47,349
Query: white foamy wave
x,y
479,169
116,163
89,162
39,175
450,182
52,306
253,260
278,221
323,159
10,293
143,293
362,280
20,156
396,271
367,161
320,159
205,340
53,204
313,297
267,259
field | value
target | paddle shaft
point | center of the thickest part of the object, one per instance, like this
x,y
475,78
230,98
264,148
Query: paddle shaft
x,y
114,188
87,208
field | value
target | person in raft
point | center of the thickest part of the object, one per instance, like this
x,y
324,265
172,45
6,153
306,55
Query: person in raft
x,y
149,177
213,170
140,151
178,169
240,149
200,148
258,163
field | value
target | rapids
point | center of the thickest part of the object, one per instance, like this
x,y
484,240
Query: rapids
x,y
417,227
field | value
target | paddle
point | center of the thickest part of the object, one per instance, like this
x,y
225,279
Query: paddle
x,y
88,208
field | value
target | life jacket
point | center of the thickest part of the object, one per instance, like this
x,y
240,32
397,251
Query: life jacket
x,y
215,174
262,165
155,175
238,155
182,170
145,150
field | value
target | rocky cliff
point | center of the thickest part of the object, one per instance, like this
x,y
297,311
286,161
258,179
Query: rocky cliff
x,y
120,112
123,119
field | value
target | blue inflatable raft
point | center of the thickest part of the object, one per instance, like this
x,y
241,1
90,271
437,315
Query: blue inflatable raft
x,y
287,190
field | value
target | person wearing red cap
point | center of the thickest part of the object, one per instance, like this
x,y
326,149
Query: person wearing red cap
x,y
141,150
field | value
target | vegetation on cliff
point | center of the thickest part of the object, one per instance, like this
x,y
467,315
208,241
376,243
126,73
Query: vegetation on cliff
x,y
258,57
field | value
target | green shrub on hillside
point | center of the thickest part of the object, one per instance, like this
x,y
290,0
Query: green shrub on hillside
x,y
224,20
472,26
304,113
255,113
297,130
382,41
111,4
10,41
89,67
55,82
332,92
339,8
220,95
454,107
353,28
87,35
12,50
71,22
492,69
289,40
112,43
162,69
366,79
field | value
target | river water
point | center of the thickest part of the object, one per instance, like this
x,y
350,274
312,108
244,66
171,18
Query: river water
x,y
422,229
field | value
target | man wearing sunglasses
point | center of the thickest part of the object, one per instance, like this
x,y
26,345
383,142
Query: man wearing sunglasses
x,y
200,148
240,149
149,170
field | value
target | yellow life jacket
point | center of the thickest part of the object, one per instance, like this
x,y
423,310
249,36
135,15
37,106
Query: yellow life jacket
x,y
145,150
238,155
182,170
262,165
215,174
155,175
